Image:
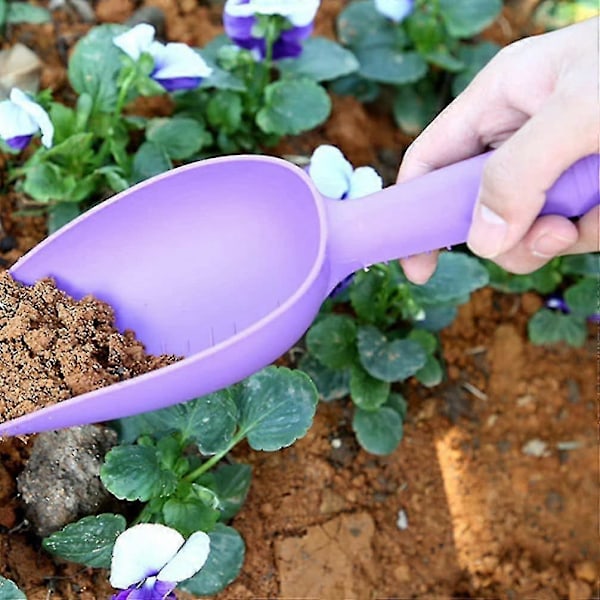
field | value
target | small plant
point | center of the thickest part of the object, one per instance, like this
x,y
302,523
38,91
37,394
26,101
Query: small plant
x,y
416,49
171,461
269,73
380,329
570,287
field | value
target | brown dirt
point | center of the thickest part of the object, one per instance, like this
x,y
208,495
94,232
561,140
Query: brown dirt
x,y
497,473
53,347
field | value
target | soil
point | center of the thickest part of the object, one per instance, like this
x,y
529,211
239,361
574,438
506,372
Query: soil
x,y
493,492
53,347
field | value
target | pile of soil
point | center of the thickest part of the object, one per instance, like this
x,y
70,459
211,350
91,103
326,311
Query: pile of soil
x,y
53,347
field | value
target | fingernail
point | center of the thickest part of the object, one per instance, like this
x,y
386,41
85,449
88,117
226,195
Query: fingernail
x,y
488,232
548,245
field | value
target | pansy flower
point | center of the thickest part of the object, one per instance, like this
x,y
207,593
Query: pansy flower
x,y
396,10
336,178
240,19
557,302
149,560
176,65
21,118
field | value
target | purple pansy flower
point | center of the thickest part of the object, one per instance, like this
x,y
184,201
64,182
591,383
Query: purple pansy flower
x,y
396,10
21,118
176,65
149,560
336,178
239,19
557,302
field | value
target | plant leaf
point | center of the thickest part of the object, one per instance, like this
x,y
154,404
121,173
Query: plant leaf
x,y
179,137
95,64
10,591
333,341
379,431
386,64
583,298
149,160
133,472
389,361
360,25
456,276
232,483
414,107
475,57
188,515
23,12
88,542
465,18
224,563
332,384
277,407
321,60
368,393
292,106
550,327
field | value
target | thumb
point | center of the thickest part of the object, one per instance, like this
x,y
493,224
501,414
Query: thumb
x,y
518,174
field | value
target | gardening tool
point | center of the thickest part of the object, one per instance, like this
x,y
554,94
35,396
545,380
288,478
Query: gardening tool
x,y
228,260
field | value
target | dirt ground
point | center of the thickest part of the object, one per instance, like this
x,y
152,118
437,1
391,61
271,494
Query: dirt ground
x,y
493,493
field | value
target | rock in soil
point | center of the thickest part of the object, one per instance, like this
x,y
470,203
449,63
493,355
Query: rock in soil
x,y
61,481
53,347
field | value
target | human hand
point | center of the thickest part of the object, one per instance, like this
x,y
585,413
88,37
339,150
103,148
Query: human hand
x,y
537,103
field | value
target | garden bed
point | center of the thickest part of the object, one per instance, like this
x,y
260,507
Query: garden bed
x,y
492,492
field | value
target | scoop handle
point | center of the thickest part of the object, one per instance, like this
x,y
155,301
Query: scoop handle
x,y
435,211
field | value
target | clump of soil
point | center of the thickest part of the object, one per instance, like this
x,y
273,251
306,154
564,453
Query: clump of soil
x,y
53,347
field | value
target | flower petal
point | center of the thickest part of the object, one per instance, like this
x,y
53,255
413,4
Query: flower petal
x,y
36,113
364,181
397,10
141,551
136,41
330,171
177,60
289,44
299,12
189,560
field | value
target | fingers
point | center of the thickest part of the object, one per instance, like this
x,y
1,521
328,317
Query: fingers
x,y
419,268
518,174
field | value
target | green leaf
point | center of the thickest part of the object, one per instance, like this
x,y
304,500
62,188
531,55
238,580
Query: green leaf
x,y
369,293
215,420
581,264
46,182
277,407
378,432
223,565
88,542
437,316
431,373
224,110
333,341
321,60
583,298
414,107
62,213
133,472
332,384
427,340
292,106
64,120
386,64
367,392
475,57
189,419
150,160
9,589
354,85
232,483
398,403
550,327
360,25
389,361
465,18
188,515
179,137
456,276
23,12
95,64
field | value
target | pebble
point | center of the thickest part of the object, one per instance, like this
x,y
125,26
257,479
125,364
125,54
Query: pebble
x,y
586,571
535,447
402,521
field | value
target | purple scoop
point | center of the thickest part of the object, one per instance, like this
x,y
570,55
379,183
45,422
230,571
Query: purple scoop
x,y
227,262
